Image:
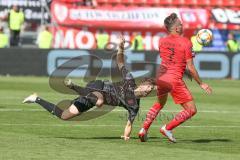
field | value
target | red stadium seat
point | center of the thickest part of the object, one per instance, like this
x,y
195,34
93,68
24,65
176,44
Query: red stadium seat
x,y
237,3
71,1
203,3
139,2
152,2
191,2
179,3
120,6
114,2
215,3
126,2
166,2
229,3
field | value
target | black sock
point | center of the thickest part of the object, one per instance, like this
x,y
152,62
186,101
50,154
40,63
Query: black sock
x,y
52,108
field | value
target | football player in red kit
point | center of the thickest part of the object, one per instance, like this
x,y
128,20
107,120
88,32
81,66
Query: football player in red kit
x,y
176,54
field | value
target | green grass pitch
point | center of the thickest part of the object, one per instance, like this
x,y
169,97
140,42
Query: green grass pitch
x,y
28,132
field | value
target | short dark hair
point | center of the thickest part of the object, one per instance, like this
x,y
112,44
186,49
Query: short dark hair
x,y
170,20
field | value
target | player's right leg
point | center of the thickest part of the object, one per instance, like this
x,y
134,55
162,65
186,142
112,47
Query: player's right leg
x,y
151,116
70,112
80,104
50,107
66,114
163,88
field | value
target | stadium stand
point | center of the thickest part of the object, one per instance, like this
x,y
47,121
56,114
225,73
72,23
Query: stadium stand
x,y
29,35
200,3
158,3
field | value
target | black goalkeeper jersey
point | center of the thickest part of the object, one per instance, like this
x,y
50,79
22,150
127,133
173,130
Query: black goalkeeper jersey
x,y
115,94
122,93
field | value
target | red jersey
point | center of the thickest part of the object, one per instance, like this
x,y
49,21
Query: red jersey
x,y
174,51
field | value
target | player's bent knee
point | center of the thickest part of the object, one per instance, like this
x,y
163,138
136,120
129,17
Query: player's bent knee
x,y
67,116
97,98
192,111
190,107
92,97
69,113
99,102
73,110
64,118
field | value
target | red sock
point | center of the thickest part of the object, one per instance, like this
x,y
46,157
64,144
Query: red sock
x,y
180,118
151,115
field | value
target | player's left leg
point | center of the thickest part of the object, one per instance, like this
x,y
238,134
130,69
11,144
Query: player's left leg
x,y
81,104
78,89
181,95
189,111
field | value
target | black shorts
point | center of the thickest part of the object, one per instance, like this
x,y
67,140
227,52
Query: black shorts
x,y
82,104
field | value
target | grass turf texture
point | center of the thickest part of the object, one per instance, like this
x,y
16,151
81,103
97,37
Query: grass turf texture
x,y
29,132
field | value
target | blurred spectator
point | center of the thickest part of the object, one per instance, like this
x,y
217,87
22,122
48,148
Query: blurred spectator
x,y
3,39
137,41
232,43
196,46
90,3
45,38
15,20
102,39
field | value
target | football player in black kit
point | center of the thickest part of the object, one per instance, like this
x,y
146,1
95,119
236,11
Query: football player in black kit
x,y
96,93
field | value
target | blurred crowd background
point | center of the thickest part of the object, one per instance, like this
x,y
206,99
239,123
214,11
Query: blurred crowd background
x,y
91,24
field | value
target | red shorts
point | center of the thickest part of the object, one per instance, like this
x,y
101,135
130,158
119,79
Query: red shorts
x,y
177,88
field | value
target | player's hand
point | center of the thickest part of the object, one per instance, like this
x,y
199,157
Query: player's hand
x,y
206,88
125,138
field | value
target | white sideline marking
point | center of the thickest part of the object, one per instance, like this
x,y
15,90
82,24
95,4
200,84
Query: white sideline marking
x,y
102,125
119,110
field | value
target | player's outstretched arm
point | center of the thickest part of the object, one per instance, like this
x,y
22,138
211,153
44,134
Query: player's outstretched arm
x,y
195,75
127,131
120,53
128,128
